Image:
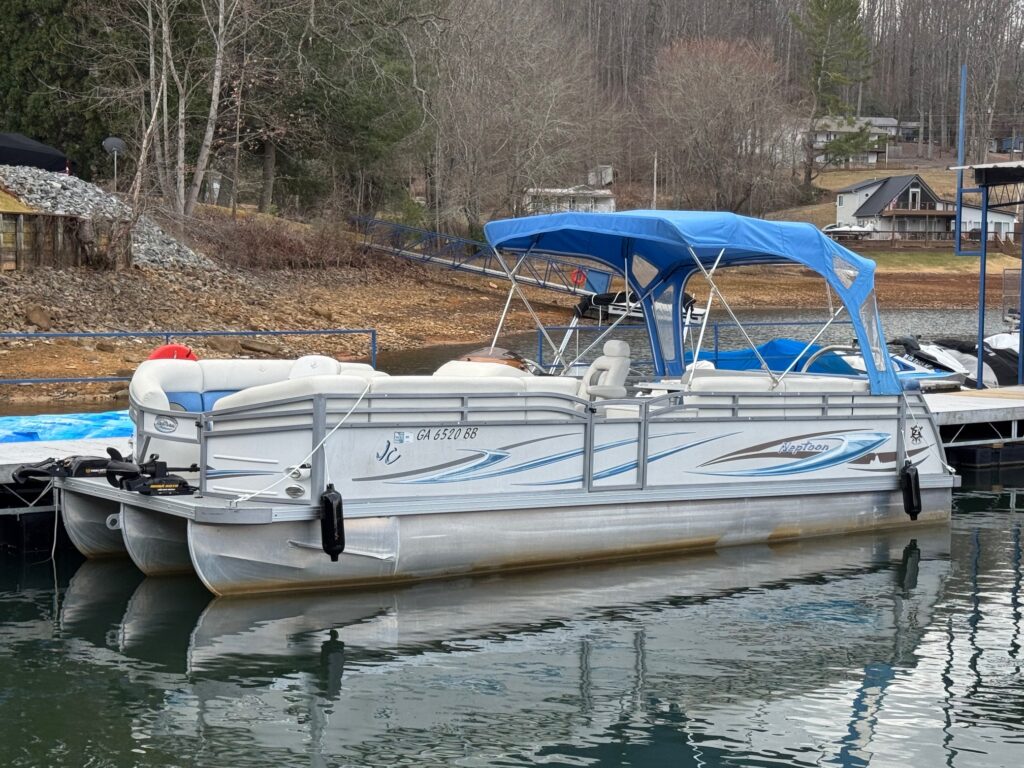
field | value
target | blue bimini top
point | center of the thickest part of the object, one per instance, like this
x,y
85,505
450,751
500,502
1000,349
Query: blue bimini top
x,y
657,251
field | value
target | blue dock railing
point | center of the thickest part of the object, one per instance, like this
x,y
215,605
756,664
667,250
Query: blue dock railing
x,y
167,337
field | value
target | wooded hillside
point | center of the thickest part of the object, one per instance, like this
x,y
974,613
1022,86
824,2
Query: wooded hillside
x,y
443,111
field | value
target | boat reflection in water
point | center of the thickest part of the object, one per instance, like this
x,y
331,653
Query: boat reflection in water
x,y
811,652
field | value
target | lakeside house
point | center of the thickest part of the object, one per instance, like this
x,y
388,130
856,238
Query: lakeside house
x,y
905,207
581,197
879,129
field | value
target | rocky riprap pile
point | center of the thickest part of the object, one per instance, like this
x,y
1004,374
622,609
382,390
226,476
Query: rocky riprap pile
x,y
70,196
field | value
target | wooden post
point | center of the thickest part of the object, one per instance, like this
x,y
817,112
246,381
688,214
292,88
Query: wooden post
x,y
57,232
19,241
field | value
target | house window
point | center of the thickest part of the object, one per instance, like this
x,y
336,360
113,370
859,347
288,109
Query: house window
x,y
915,198
839,202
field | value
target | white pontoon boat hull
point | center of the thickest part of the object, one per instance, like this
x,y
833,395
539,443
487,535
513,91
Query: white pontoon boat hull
x,y
234,560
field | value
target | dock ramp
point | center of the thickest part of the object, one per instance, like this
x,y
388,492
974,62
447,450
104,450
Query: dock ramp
x,y
553,273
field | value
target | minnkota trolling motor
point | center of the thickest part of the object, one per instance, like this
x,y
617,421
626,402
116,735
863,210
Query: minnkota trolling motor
x,y
151,478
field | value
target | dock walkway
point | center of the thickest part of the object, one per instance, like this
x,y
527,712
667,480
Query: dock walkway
x,y
989,418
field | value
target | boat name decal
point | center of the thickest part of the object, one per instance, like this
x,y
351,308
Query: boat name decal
x,y
388,454
841,448
804,448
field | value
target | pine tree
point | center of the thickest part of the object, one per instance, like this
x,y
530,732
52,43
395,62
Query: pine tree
x,y
42,78
840,56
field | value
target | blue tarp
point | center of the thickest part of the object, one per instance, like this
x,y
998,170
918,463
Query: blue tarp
x,y
669,240
65,426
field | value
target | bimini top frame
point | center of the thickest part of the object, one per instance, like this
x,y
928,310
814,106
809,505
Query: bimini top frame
x,y
658,251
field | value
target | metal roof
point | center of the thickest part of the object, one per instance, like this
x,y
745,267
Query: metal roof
x,y
1008,164
1004,181
858,186
889,191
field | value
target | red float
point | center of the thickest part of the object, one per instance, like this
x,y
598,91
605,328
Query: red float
x,y
172,352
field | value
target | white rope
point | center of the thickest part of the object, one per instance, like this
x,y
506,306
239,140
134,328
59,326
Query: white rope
x,y
56,522
286,474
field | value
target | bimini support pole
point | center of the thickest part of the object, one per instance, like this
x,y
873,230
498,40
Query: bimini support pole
x,y
704,320
614,325
508,300
825,327
526,302
721,298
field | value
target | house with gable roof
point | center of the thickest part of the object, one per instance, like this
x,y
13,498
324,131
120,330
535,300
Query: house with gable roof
x,y
905,207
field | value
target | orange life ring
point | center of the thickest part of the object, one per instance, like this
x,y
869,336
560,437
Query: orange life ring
x,y
578,277
172,352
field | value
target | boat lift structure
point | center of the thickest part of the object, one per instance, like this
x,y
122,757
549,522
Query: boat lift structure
x,y
1000,185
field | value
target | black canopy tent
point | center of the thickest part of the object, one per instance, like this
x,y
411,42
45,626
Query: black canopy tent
x,y
16,149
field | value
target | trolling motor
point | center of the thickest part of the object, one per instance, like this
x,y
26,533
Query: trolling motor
x,y
151,478
71,466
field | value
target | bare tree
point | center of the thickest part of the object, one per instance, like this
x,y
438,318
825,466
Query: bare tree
x,y
510,107
716,115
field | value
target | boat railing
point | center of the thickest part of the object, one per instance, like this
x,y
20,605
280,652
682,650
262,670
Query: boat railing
x,y
323,415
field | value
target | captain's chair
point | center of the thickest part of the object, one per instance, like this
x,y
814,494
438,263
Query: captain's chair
x,y
605,379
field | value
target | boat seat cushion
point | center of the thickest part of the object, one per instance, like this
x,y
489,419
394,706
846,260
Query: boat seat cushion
x,y
736,381
233,375
198,385
475,369
305,386
561,385
321,365
163,384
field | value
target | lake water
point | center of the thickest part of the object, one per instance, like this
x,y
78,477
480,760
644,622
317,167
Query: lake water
x,y
895,649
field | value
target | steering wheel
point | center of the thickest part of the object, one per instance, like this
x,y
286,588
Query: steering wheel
x,y
823,351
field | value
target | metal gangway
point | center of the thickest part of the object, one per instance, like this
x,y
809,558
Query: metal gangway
x,y
554,273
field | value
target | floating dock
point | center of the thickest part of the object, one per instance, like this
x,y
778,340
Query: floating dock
x,y
26,513
981,427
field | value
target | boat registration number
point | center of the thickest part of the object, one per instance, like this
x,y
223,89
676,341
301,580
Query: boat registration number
x,y
447,433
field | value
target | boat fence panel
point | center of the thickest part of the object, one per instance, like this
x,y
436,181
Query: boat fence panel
x,y
439,444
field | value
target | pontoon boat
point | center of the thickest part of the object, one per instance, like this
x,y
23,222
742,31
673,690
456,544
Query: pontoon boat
x,y
314,473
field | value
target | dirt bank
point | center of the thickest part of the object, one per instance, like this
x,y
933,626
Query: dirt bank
x,y
409,306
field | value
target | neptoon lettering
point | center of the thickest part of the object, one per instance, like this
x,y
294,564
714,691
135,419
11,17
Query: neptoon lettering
x,y
805,447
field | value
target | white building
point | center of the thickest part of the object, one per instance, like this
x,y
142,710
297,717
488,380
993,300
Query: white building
x,y
831,128
579,198
905,207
